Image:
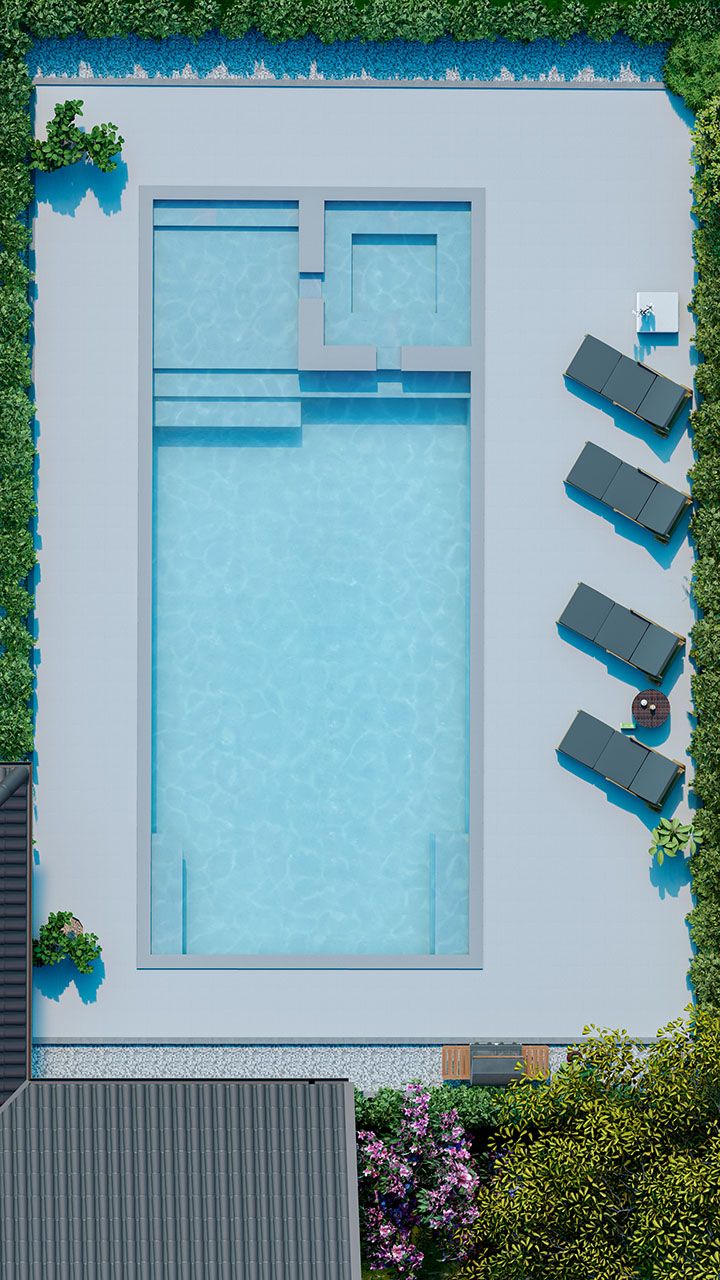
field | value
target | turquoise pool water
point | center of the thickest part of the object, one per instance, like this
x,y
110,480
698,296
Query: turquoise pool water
x,y
310,591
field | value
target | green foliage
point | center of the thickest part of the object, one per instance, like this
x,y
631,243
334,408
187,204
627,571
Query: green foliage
x,y
105,18
423,20
16,192
237,18
650,21
155,19
473,20
66,144
14,136
646,21
17,450
84,951
102,145
692,69
57,942
336,19
53,17
671,837
477,1109
379,1112
201,16
606,20
282,19
15,85
612,1169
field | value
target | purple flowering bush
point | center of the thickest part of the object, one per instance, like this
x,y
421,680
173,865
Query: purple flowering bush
x,y
416,1191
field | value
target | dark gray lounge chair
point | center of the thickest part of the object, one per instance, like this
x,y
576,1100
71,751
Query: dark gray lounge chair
x,y
629,384
653,505
620,631
625,761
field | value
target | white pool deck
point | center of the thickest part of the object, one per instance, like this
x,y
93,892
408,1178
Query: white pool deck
x,y
587,202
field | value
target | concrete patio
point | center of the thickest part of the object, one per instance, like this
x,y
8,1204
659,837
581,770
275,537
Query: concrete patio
x,y
587,202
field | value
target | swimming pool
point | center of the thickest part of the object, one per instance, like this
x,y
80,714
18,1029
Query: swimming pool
x,y
310,585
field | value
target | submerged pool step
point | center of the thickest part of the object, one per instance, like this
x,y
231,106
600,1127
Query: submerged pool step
x,y
225,384
168,895
228,413
261,214
449,893
281,384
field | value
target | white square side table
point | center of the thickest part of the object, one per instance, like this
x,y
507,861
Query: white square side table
x,y
656,312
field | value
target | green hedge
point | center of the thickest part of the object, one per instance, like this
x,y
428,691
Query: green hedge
x,y
646,21
704,919
17,451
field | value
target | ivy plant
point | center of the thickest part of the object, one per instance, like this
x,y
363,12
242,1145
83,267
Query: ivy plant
x,y
66,143
671,837
57,942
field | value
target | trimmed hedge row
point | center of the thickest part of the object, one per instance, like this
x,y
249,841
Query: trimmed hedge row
x,y
704,919
17,450
646,21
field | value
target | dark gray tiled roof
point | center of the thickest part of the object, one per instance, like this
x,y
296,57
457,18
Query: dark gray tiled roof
x,y
179,1180
15,795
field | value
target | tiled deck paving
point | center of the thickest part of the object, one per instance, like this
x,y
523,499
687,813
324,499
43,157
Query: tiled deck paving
x,y
587,202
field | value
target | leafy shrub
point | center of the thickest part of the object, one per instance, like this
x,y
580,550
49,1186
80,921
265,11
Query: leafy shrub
x,y
697,17
606,20
671,837
473,20
423,20
102,145
706,480
336,19
17,451
16,192
692,69
282,19
201,16
155,19
67,144
650,21
416,1190
524,20
567,20
612,1169
236,18
53,17
55,944
104,18
14,136
686,74
477,1108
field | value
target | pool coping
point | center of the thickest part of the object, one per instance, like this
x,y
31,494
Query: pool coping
x,y
470,359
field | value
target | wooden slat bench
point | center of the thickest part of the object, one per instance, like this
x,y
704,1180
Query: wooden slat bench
x,y
493,1063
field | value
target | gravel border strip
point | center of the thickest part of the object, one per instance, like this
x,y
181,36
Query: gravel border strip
x,y
369,1067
